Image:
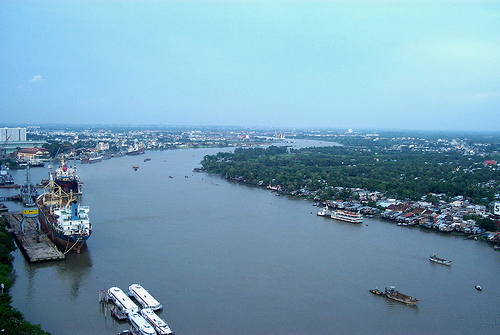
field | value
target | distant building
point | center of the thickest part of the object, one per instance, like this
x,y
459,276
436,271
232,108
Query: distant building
x,y
13,134
13,139
29,154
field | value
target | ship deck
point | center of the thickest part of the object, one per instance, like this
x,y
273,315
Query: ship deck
x,y
36,246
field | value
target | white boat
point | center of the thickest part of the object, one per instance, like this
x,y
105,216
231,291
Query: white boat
x,y
159,324
141,324
347,216
124,303
435,259
143,297
325,212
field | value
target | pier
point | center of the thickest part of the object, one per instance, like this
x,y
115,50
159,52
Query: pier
x,y
35,245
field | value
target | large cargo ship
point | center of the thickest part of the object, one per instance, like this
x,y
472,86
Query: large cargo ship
x,y
67,177
136,149
65,221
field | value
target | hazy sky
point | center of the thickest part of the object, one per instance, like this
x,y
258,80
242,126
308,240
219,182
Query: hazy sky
x,y
336,64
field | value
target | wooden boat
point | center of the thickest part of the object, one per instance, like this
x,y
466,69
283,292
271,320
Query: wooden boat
x,y
435,259
391,293
376,291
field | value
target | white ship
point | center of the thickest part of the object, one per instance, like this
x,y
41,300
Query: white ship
x,y
124,303
159,324
141,324
347,216
143,297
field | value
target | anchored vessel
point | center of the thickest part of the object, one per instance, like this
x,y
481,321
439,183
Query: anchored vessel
x,y
143,297
347,216
66,177
141,324
391,293
124,303
159,324
434,258
66,222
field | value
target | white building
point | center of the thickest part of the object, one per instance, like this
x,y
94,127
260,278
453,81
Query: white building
x,y
12,135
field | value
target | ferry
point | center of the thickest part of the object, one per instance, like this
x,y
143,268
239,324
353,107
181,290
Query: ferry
x,y
434,258
347,216
124,303
141,324
159,324
143,297
391,293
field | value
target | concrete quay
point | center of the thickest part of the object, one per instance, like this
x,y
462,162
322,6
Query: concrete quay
x,y
36,246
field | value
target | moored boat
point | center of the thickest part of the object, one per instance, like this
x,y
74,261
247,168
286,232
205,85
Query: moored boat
x,y
122,301
347,216
143,297
435,259
325,212
65,221
140,323
158,323
391,293
67,177
376,291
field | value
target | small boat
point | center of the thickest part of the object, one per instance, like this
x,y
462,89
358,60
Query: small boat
x,y
391,293
478,287
435,259
143,297
376,291
135,167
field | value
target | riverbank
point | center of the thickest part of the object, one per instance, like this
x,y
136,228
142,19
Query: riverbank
x,y
11,320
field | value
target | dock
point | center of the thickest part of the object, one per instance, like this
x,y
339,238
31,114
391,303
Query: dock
x,y
36,246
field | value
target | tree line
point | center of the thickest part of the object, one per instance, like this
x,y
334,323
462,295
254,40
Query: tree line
x,y
322,171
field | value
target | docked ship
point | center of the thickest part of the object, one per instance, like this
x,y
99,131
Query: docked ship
x,y
391,293
347,216
122,301
136,150
143,297
67,178
158,323
140,323
65,221
435,259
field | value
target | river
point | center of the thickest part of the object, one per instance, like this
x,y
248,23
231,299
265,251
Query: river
x,y
225,258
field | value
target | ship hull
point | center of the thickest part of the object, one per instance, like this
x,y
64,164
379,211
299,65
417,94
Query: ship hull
x,y
68,185
73,242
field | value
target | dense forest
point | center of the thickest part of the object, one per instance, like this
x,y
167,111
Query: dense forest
x,y
324,171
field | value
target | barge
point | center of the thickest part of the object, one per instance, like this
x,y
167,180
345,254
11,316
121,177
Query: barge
x,y
391,293
143,297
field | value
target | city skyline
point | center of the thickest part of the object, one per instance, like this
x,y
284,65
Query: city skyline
x,y
291,64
